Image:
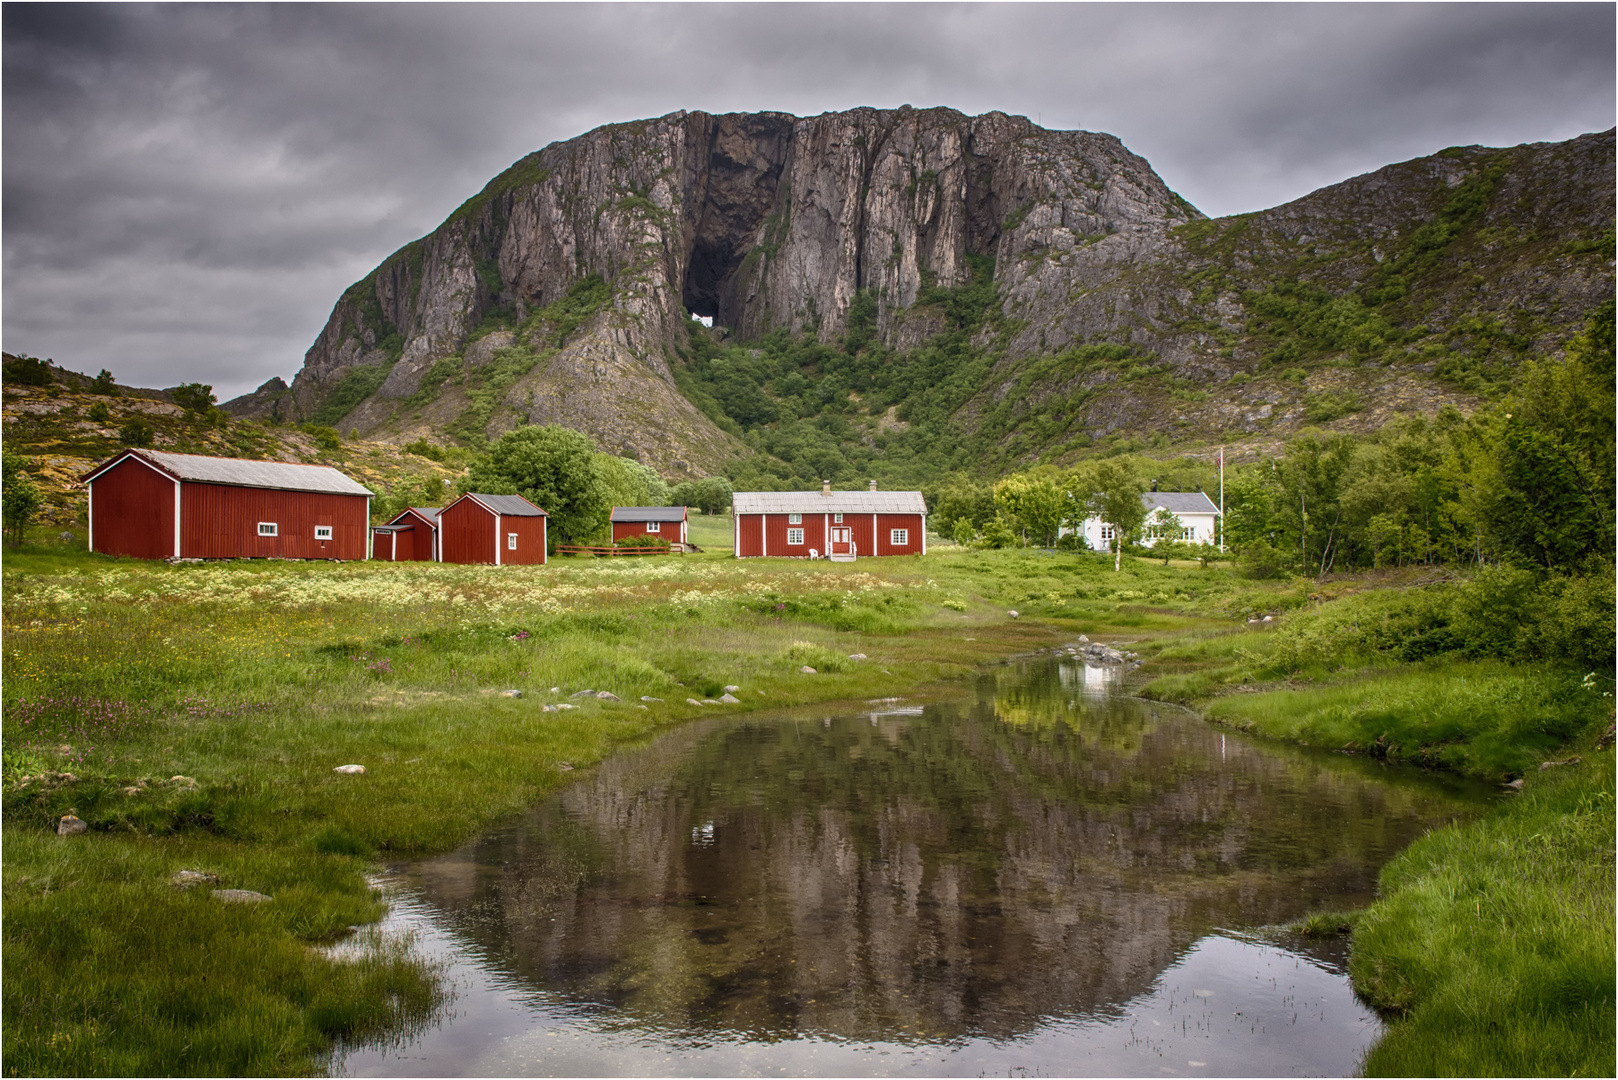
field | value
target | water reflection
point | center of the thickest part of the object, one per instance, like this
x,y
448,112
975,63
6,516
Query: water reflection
x,y
990,871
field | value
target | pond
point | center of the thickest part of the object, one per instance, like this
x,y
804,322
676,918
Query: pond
x,y
1040,877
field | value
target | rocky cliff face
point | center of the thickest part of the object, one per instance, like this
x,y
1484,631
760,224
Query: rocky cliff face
x,y
768,221
762,221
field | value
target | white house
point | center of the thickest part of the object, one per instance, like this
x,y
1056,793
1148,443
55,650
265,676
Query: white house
x,y
1197,514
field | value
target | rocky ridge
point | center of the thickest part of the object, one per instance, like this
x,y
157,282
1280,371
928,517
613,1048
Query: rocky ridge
x,y
1460,264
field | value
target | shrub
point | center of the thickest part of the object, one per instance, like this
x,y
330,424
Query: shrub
x,y
325,437
642,542
99,412
1259,561
136,432
27,371
104,384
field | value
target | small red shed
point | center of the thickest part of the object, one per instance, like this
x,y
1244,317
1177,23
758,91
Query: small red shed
x,y
151,504
503,530
663,522
835,524
410,537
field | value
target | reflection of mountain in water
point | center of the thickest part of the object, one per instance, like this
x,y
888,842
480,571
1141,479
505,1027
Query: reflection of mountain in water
x,y
1033,852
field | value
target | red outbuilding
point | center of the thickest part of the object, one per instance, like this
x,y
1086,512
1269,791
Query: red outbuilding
x,y
662,522
503,530
832,524
151,504
410,537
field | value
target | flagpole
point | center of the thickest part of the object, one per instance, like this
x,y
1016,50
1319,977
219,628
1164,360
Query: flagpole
x,y
1221,500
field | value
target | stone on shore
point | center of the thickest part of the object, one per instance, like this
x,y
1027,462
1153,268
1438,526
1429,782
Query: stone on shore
x,y
730,699
241,896
607,695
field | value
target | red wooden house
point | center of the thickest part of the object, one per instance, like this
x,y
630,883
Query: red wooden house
x,y
503,530
664,522
151,504
836,524
410,537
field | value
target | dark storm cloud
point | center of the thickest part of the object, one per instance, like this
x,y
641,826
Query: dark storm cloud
x,y
188,188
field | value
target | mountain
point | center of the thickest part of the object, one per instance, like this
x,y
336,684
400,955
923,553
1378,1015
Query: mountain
x,y
964,289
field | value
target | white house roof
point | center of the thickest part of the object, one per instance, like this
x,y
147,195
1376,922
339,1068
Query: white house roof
x,y
648,513
837,502
1179,502
240,472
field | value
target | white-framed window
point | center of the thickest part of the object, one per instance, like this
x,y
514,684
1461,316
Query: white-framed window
x,y
322,532
795,519
268,528
1106,533
899,537
838,518
794,536
654,526
511,541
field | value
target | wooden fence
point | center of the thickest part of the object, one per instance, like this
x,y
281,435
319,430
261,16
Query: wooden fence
x,y
585,549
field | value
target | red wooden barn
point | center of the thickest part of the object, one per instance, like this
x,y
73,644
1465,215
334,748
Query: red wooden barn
x,y
410,537
504,530
836,524
155,505
663,522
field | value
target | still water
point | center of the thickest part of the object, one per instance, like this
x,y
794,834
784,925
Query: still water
x,y
1041,877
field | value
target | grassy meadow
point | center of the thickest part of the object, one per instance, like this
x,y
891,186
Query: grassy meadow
x,y
192,716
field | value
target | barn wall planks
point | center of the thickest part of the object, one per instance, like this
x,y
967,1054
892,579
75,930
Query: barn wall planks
x,y
133,505
221,522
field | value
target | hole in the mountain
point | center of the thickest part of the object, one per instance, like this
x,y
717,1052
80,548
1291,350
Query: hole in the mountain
x,y
712,262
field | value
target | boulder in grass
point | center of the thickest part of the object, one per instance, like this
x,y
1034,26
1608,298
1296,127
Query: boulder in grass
x,y
548,708
806,670
1012,614
241,896
511,693
184,782
565,705
583,693
350,770
608,695
564,766
70,825
858,656
730,699
731,689
185,879
710,701
659,700
692,701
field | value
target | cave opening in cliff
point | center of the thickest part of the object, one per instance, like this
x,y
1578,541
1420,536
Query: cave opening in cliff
x,y
713,263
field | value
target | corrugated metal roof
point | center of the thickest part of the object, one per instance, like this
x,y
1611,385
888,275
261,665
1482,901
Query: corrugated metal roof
x,y
1179,502
648,513
509,505
838,502
240,472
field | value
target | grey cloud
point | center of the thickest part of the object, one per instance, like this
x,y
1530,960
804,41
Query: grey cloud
x,y
187,188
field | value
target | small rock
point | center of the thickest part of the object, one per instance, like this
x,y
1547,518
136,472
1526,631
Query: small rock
x,y
1083,640
349,770
608,695
70,826
709,701
564,766
858,656
642,707
806,670
65,537
183,781
659,700
565,705
556,689
731,689
511,693
729,699
692,701
240,896
1269,618
1012,614
1514,785
1553,764
548,708
584,693
185,879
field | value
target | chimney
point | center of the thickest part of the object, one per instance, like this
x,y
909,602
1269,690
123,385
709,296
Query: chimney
x,y
873,485
825,487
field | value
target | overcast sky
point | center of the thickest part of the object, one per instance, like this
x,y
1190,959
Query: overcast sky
x,y
188,188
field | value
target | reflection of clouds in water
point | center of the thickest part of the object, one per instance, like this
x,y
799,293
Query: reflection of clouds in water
x,y
1091,681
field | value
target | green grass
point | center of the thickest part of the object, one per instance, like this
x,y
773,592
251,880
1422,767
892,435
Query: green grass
x,y
711,532
1494,941
256,679
1485,719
